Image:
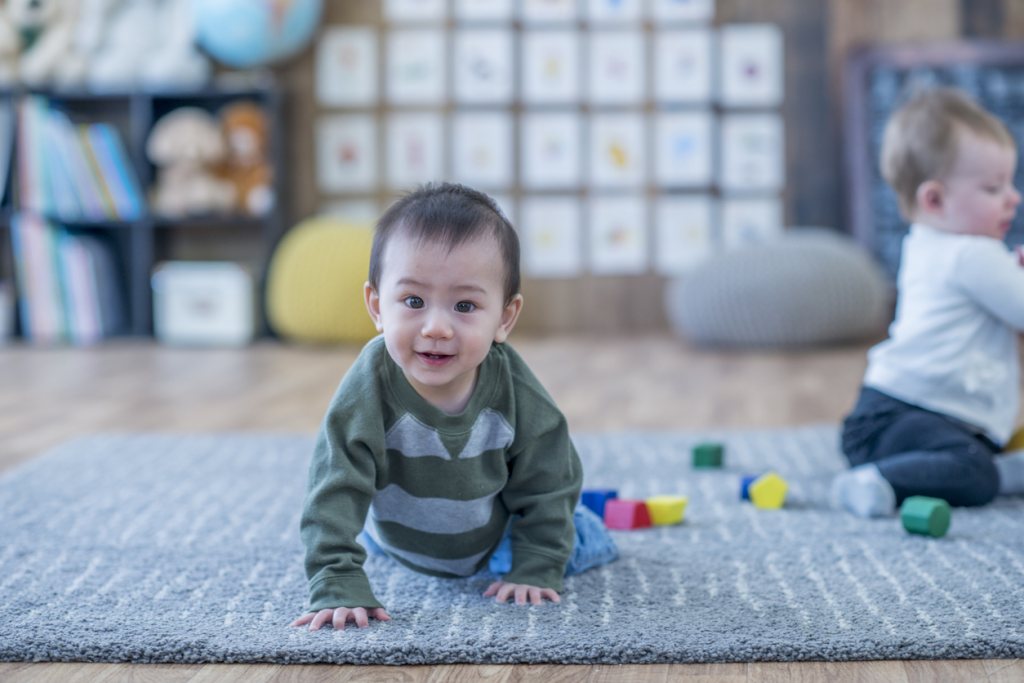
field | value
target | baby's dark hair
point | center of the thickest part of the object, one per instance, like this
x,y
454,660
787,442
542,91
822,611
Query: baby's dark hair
x,y
448,214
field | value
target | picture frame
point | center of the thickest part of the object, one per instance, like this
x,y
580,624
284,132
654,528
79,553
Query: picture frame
x,y
664,12
346,67
549,11
551,237
482,154
550,67
750,220
685,228
616,74
753,152
346,153
751,65
617,156
414,11
614,11
415,149
684,149
683,66
470,11
483,66
617,235
416,67
551,150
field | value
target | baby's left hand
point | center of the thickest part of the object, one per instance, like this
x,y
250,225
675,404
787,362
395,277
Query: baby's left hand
x,y
504,590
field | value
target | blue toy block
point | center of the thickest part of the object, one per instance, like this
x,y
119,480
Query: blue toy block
x,y
745,483
596,498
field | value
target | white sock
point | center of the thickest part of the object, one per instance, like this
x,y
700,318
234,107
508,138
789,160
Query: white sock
x,y
1011,472
864,492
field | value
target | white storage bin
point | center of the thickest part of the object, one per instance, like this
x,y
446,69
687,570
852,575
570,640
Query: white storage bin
x,y
199,303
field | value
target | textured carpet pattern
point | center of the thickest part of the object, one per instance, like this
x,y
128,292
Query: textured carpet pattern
x,y
186,549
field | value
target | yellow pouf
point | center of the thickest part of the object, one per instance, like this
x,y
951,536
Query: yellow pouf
x,y
315,282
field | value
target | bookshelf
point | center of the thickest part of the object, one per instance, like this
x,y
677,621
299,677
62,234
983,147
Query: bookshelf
x,y
140,243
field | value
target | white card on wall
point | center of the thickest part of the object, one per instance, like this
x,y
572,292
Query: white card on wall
x,y
616,67
483,10
483,67
550,150
364,211
684,149
507,206
751,65
550,231
416,67
403,11
685,232
618,235
346,67
551,67
482,149
415,151
346,153
549,11
753,152
617,149
683,65
613,11
668,11
750,220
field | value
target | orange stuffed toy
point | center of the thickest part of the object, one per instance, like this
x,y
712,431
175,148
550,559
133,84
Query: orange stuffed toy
x,y
245,130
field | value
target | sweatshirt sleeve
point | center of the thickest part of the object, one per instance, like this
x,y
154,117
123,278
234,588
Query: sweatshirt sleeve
x,y
992,276
545,478
341,486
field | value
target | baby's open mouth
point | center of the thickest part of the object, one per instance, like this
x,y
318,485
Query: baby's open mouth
x,y
434,358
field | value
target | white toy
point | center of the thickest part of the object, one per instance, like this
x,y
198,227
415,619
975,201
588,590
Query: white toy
x,y
185,145
10,50
90,34
132,30
54,23
176,64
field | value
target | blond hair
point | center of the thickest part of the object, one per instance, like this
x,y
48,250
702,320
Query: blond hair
x,y
921,139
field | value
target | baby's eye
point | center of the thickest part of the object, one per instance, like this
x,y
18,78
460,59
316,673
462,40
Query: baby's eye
x,y
413,302
464,307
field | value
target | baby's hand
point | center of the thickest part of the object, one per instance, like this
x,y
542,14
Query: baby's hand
x,y
340,615
505,590
1019,251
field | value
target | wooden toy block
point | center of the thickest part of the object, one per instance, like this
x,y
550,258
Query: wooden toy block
x,y
596,498
768,491
626,514
666,509
926,516
745,483
708,455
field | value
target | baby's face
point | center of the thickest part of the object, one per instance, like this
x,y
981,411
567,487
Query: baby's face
x,y
440,311
980,198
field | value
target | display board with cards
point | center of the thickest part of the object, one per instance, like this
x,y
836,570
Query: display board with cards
x,y
878,80
621,137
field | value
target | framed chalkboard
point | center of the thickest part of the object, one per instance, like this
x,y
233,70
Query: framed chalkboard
x,y
880,79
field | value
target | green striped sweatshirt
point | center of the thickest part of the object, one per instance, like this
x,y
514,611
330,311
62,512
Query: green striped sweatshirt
x,y
439,489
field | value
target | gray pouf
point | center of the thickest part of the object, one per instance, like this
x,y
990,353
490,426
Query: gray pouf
x,y
812,286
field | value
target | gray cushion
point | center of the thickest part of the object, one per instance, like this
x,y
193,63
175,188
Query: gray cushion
x,y
812,286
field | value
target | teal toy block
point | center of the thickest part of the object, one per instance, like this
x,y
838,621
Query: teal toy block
x,y
708,455
925,516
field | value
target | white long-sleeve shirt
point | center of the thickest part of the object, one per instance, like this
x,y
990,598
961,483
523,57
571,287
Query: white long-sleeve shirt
x,y
953,345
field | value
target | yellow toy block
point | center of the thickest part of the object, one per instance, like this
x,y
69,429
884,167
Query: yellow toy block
x,y
1016,441
666,509
768,491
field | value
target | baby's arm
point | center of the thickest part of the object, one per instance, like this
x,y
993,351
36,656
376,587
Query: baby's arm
x,y
504,590
340,615
995,280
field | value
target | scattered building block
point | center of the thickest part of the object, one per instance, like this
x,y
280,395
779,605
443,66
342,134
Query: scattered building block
x,y
1016,441
596,498
626,514
666,509
926,516
708,455
768,491
745,483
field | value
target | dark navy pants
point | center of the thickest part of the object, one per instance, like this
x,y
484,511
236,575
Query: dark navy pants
x,y
920,452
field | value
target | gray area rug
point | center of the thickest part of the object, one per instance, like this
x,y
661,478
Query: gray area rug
x,y
186,549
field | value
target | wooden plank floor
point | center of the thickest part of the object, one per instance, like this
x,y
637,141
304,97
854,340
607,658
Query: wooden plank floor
x,y
49,395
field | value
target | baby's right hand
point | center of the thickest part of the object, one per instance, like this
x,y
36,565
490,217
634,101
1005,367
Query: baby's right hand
x,y
340,615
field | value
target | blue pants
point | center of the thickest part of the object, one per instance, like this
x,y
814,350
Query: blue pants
x,y
593,547
921,452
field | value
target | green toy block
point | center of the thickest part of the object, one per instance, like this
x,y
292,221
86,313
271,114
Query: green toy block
x,y
708,455
768,491
926,516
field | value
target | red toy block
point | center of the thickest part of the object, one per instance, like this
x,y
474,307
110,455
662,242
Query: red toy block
x,y
626,514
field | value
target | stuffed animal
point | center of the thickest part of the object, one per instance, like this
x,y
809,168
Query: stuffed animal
x,y
131,32
175,63
185,145
91,29
47,28
246,165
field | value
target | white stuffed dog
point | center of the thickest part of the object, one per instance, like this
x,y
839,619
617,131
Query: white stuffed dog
x,y
50,26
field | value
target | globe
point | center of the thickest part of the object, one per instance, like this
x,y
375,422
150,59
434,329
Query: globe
x,y
248,33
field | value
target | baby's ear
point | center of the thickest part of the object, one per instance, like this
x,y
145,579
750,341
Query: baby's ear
x,y
372,300
508,318
931,197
